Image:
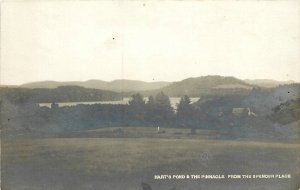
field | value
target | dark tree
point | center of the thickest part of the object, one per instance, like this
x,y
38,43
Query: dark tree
x,y
151,110
164,111
137,107
185,110
137,100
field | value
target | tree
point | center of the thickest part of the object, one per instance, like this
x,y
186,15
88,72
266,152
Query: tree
x,y
184,107
164,111
137,107
151,109
137,100
185,110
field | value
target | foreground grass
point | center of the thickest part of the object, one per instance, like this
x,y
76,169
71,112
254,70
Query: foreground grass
x,y
25,161
130,155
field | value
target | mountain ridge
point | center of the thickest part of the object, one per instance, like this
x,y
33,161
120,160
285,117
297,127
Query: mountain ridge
x,y
267,83
205,85
119,85
193,86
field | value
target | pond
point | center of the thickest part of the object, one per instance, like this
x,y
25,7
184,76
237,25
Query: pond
x,y
174,101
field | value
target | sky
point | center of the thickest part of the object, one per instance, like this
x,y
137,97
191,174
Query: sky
x,y
148,40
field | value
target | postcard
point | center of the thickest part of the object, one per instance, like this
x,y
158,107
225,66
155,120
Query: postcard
x,y
150,95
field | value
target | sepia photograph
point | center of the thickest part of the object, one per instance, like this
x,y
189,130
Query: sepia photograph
x,y
150,95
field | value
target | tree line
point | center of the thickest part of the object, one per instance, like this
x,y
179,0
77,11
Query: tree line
x,y
157,111
209,112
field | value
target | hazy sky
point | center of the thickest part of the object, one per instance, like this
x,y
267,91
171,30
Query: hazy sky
x,y
155,40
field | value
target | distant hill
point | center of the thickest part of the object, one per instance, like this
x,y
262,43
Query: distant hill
x,y
193,87
206,85
8,86
55,84
267,83
116,85
59,94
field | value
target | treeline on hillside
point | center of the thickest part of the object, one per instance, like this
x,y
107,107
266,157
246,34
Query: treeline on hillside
x,y
237,115
59,94
157,111
286,112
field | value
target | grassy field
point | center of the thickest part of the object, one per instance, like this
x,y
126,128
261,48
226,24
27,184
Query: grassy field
x,y
147,132
124,163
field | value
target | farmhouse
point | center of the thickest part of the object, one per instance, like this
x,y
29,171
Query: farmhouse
x,y
240,112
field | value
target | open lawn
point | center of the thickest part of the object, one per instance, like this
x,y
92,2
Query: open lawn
x,y
147,132
124,163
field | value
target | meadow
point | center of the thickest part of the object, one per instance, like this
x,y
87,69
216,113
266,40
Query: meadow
x,y
124,161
